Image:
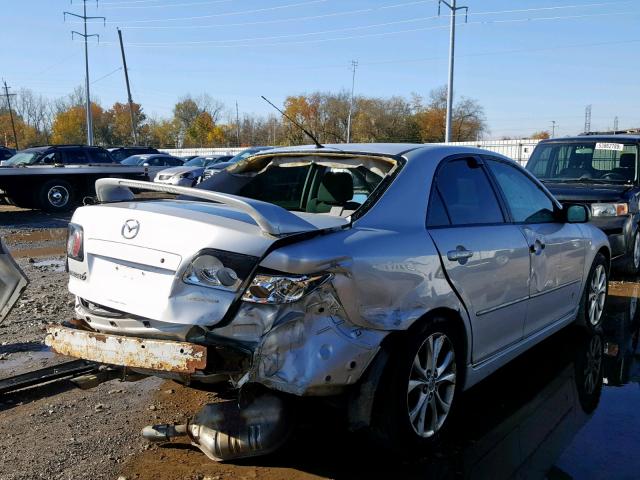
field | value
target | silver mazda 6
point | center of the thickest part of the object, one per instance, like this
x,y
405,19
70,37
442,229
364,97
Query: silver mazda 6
x,y
391,276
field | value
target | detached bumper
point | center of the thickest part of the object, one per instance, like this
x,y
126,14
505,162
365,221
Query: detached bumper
x,y
161,355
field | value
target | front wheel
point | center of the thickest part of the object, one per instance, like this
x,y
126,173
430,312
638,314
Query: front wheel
x,y
594,297
416,397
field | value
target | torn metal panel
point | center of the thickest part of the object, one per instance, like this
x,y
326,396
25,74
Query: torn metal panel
x,y
312,348
132,352
12,282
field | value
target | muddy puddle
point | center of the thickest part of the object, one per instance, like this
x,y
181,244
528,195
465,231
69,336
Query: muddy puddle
x,y
37,243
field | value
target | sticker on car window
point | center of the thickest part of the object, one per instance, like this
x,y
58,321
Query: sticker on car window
x,y
618,147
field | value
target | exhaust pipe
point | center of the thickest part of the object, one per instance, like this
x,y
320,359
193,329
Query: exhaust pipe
x,y
225,431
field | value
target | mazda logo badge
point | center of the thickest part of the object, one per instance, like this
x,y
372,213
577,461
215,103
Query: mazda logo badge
x,y
130,229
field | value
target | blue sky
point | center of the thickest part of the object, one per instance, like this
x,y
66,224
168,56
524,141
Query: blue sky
x,y
528,62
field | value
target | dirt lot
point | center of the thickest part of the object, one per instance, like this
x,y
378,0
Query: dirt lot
x,y
57,431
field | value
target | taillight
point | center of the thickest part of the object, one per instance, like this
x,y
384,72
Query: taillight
x,y
75,242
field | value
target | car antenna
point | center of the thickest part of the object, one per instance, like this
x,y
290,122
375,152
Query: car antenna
x,y
315,140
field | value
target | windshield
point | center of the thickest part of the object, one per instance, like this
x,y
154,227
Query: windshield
x,y
311,185
195,162
132,160
589,162
23,158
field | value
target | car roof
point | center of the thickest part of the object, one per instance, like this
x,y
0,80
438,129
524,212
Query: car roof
x,y
595,138
393,149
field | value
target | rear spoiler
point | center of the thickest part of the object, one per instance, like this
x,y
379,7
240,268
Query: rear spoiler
x,y
271,219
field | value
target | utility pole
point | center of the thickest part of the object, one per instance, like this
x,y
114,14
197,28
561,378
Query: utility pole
x,y
587,119
615,124
126,77
237,124
553,128
86,62
452,41
13,125
354,65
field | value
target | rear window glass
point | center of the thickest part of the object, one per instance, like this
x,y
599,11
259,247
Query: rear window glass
x,y
312,187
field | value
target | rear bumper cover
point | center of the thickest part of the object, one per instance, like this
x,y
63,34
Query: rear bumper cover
x,y
161,355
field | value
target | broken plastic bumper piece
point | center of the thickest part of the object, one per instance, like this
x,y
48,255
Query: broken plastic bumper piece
x,y
162,355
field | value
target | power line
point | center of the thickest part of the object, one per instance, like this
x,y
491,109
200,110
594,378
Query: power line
x,y
191,4
368,35
106,75
359,11
227,14
85,35
282,20
13,125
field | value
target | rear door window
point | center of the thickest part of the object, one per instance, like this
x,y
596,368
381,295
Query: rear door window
x,y
467,195
75,156
99,156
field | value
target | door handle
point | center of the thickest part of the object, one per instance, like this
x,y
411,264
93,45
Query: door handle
x,y
460,254
537,247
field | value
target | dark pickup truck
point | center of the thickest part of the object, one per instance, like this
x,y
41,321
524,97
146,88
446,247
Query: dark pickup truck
x,y
601,171
56,178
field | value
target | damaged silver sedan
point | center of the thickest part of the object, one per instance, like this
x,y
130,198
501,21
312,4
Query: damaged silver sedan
x,y
391,276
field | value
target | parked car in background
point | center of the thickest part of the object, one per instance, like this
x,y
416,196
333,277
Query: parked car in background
x,y
190,173
120,153
59,155
186,158
6,153
153,162
601,171
390,276
217,167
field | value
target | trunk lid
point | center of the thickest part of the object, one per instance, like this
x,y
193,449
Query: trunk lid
x,y
136,253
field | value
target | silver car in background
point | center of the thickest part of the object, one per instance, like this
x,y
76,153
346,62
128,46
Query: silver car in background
x,y
190,173
390,276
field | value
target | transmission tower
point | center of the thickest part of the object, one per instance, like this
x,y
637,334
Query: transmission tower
x,y
85,35
13,125
354,65
587,119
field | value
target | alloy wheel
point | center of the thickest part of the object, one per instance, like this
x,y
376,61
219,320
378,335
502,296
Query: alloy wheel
x,y
597,294
432,384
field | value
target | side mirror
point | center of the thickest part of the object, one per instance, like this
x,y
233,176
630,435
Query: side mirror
x,y
577,213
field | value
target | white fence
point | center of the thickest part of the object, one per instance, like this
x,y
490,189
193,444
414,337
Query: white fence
x,y
184,152
519,150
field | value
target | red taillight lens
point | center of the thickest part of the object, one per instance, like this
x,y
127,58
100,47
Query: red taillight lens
x,y
75,242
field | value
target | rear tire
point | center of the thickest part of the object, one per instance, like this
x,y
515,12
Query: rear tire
x,y
418,391
594,297
56,196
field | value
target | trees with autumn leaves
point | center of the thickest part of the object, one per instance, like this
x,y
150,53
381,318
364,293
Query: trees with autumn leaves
x,y
201,121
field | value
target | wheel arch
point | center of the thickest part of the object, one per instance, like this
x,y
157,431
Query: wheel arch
x,y
362,395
